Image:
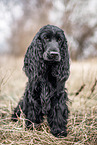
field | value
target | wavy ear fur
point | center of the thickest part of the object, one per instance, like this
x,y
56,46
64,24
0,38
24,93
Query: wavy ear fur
x,y
33,61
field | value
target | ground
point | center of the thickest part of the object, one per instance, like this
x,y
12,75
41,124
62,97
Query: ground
x,y
82,90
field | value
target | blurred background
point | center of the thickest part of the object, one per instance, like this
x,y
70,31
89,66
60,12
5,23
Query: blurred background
x,y
21,19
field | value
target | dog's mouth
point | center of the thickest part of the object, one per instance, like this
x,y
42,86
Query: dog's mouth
x,y
52,56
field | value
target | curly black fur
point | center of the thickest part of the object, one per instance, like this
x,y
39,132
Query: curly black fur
x,y
46,64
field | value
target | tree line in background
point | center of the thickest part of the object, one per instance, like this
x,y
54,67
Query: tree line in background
x,y
78,23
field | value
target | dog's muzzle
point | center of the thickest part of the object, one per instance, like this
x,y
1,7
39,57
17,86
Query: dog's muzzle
x,y
52,53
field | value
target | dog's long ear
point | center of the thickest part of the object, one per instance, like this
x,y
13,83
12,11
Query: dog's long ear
x,y
62,70
30,61
33,58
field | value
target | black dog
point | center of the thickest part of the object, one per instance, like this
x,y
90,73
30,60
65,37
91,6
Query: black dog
x,y
46,65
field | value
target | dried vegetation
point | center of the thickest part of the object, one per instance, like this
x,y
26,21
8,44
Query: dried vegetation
x,y
82,122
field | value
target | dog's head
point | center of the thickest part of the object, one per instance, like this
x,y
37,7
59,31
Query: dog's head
x,y
52,39
49,47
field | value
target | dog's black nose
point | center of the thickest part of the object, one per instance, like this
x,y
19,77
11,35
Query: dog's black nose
x,y
54,54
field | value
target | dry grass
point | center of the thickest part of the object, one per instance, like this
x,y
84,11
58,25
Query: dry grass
x,y
82,89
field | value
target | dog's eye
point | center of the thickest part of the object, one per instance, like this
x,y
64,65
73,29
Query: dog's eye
x,y
45,38
59,39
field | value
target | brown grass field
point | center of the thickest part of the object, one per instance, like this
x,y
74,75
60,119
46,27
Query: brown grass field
x,y
82,90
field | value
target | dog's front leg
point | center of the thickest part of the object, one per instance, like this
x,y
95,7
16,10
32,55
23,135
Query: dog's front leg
x,y
58,115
